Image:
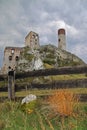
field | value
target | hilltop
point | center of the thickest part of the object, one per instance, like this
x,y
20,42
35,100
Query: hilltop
x,y
33,56
47,56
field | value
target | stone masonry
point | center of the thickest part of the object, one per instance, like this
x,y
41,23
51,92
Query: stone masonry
x,y
32,40
11,57
12,54
62,39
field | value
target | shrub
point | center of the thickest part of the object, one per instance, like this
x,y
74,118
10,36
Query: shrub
x,y
49,61
29,107
63,102
28,56
50,55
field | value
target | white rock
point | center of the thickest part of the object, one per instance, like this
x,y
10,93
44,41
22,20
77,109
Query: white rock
x,y
38,64
29,98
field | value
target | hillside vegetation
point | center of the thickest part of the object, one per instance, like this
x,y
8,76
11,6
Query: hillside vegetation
x,y
47,56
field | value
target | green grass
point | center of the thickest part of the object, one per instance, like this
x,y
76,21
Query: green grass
x,y
42,118
15,119
49,78
43,92
69,77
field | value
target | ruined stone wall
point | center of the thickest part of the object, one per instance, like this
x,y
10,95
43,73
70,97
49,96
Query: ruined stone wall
x,y
32,40
11,57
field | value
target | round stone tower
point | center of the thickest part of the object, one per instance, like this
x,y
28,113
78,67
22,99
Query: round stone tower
x,y
62,39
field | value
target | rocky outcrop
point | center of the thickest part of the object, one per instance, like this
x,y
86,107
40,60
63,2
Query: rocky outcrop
x,y
47,56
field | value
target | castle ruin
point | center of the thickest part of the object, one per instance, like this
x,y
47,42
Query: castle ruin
x,y
12,54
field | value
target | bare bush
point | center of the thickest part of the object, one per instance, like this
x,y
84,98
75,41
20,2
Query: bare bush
x,y
63,102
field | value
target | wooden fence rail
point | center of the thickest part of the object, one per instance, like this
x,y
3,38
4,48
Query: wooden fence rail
x,y
44,72
48,72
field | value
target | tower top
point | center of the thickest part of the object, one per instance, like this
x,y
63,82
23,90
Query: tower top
x,y
61,31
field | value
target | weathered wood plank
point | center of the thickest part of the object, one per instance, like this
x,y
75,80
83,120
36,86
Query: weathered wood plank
x,y
47,72
59,71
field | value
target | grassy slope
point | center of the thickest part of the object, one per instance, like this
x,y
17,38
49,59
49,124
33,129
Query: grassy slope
x,y
43,92
58,77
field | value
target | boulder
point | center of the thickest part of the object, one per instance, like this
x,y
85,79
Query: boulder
x,y
29,98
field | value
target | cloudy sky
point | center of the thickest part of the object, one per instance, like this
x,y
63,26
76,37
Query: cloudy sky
x,y
19,17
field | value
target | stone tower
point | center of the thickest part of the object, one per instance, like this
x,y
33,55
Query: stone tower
x,y
32,40
62,39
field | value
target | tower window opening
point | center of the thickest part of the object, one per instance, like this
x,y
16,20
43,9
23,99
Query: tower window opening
x,y
35,43
10,58
16,58
33,36
59,40
9,67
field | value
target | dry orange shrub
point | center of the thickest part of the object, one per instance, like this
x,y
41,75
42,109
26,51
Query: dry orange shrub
x,y
63,102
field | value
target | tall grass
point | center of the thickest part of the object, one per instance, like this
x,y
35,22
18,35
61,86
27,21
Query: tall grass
x,y
45,116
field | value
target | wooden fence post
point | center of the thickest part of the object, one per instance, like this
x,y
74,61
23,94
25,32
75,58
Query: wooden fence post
x,y
11,85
